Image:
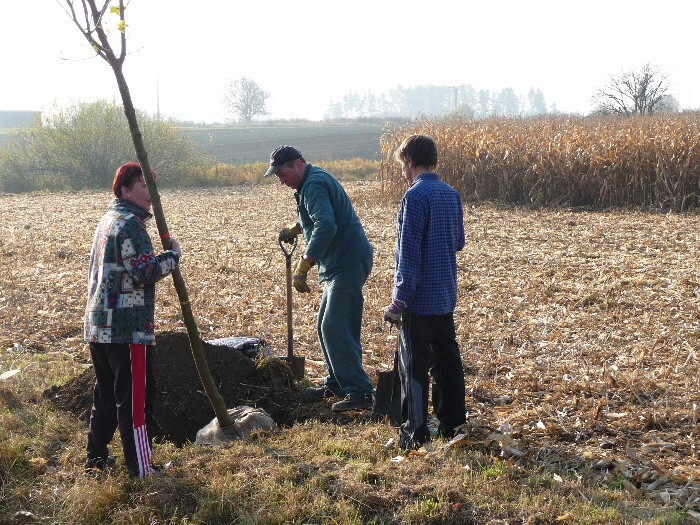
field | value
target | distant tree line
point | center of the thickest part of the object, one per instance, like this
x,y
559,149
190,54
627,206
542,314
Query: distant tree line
x,y
439,101
640,92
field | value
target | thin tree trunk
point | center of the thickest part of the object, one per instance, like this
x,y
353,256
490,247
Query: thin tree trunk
x,y
192,329
106,52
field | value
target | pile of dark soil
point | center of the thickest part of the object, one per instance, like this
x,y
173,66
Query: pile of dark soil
x,y
181,405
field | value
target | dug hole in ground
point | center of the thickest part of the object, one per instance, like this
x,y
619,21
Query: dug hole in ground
x,y
181,405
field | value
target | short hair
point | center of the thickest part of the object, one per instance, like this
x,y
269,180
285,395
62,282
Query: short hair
x,y
420,149
126,175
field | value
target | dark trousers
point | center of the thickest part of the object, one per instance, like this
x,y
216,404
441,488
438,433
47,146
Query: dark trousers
x,y
122,398
428,345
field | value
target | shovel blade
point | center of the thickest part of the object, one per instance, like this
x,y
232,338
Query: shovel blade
x,y
387,398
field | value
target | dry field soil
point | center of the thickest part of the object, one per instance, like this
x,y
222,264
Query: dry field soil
x,y
579,330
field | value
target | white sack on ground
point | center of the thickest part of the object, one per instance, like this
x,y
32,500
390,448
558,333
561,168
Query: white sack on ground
x,y
245,420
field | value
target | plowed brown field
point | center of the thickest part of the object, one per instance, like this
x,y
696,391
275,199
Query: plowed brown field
x,y
579,330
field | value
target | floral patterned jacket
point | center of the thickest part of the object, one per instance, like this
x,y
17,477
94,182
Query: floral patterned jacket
x,y
121,277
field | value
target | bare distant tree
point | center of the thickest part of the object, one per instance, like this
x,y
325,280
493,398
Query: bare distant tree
x,y
506,103
640,92
536,104
484,103
245,99
668,104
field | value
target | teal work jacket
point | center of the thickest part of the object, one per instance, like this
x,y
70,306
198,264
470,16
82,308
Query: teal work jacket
x,y
333,233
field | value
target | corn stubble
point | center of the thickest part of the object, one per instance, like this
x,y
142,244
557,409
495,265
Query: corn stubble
x,y
578,329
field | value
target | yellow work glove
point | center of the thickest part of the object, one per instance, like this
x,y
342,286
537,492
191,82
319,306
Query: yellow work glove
x,y
299,277
289,233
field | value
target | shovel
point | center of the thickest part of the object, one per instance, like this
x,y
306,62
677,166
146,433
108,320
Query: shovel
x,y
387,397
296,363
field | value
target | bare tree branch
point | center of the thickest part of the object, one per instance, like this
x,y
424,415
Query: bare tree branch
x,y
632,93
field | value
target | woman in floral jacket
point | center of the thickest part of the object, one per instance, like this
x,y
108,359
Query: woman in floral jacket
x,y
119,323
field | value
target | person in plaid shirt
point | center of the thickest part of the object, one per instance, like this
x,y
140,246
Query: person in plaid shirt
x,y
430,232
119,324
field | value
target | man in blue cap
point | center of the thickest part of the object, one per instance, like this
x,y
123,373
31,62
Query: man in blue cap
x,y
337,244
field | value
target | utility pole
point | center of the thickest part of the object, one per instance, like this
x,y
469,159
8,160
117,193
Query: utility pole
x,y
455,90
157,99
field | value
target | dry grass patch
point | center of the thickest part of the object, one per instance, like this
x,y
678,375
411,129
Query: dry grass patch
x,y
579,331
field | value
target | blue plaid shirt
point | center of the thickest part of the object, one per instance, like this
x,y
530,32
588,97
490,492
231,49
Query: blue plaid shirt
x,y
430,232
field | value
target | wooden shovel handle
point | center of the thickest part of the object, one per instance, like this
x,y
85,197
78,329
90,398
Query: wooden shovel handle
x,y
288,268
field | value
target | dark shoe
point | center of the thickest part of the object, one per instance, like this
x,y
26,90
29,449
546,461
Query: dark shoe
x,y
100,463
448,432
156,470
445,434
408,446
94,466
353,402
318,392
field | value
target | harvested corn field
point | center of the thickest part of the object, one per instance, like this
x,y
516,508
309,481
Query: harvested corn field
x,y
579,330
579,161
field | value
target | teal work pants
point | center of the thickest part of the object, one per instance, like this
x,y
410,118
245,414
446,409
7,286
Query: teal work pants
x,y
338,325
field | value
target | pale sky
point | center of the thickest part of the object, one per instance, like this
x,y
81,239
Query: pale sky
x,y
309,52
